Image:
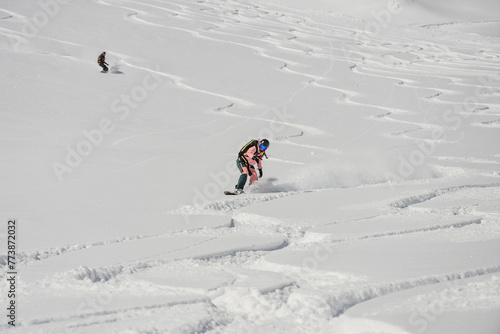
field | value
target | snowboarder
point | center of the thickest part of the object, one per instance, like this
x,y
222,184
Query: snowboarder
x,y
101,60
251,154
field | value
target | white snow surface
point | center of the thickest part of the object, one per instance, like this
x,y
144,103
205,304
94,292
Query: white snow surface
x,y
379,208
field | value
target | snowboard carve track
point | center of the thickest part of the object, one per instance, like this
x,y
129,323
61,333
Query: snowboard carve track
x,y
25,258
231,205
346,300
97,318
409,201
276,38
396,233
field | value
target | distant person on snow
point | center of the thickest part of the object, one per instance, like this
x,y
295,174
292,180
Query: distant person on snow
x,y
251,154
101,60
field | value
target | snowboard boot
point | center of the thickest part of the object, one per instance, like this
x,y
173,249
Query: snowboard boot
x,y
241,183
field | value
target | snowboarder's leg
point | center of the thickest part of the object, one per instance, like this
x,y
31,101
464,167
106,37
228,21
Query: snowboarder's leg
x,y
243,177
241,181
253,176
240,165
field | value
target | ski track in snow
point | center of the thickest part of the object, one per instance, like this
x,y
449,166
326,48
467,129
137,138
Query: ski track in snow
x,y
337,302
231,23
407,202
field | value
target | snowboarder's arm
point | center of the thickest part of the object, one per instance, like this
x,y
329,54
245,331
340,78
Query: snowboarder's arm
x,y
258,160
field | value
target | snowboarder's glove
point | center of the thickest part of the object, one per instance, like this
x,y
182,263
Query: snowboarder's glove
x,y
260,172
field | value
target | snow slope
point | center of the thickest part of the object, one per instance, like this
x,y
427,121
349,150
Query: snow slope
x,y
379,207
